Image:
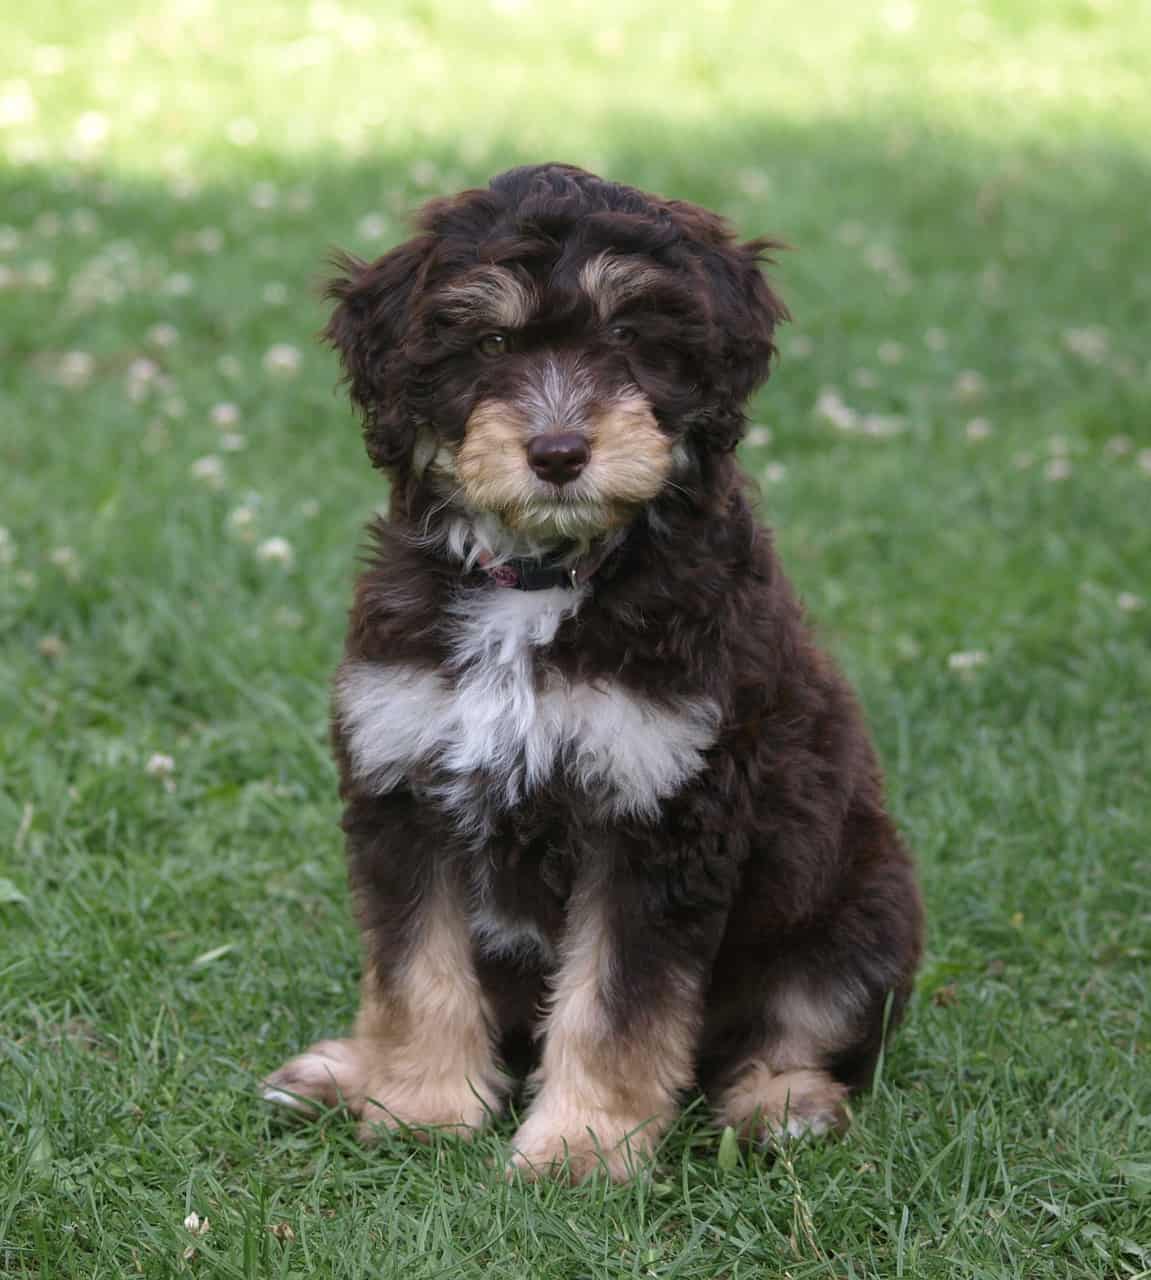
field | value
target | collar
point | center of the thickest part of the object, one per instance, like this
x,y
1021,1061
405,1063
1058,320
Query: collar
x,y
529,573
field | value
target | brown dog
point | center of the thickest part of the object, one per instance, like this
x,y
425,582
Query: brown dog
x,y
609,809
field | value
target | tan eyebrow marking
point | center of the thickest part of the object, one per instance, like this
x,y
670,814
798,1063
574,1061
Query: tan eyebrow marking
x,y
610,280
490,295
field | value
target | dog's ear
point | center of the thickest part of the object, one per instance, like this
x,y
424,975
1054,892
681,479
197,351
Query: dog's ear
x,y
747,312
367,329
744,314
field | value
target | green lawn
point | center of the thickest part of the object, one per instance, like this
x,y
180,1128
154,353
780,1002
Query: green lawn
x,y
955,450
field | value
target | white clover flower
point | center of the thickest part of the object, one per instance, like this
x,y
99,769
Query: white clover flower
x,y
40,274
310,508
17,105
75,368
424,173
91,129
282,359
831,407
1128,601
935,339
242,132
372,226
48,60
966,661
193,1222
163,335
969,385
65,558
141,378
233,442
183,186
1143,460
890,352
1117,446
900,16
774,472
1057,468
209,469
880,258
276,551
977,429
178,284
51,646
242,521
225,414
759,434
275,293
1088,344
264,195
209,240
753,182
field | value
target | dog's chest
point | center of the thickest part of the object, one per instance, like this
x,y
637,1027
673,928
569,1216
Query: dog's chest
x,y
498,722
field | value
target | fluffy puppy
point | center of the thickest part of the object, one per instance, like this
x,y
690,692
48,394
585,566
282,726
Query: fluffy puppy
x,y
611,815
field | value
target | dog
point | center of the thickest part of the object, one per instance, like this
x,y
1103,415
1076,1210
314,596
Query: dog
x,y
613,819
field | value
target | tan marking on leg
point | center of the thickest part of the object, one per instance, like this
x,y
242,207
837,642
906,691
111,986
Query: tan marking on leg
x,y
813,1025
764,1104
602,1103
786,1090
420,1054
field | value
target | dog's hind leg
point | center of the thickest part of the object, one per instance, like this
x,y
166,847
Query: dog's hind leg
x,y
796,1021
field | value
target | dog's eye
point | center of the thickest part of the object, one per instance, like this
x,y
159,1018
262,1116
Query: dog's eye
x,y
492,344
622,335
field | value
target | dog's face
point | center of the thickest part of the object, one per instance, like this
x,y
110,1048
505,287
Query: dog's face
x,y
551,351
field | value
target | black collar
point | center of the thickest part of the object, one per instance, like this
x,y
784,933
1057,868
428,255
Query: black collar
x,y
557,569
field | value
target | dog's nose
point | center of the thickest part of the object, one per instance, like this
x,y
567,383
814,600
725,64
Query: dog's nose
x,y
558,456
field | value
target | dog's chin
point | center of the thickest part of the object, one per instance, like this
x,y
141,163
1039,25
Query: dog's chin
x,y
557,520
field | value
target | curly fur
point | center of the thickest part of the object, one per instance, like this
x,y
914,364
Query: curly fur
x,y
650,804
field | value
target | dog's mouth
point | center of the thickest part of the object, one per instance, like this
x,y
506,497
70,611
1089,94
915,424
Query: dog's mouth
x,y
561,515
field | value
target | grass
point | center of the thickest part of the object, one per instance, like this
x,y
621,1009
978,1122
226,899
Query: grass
x,y
965,186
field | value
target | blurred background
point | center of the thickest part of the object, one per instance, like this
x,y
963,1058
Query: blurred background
x,y
955,450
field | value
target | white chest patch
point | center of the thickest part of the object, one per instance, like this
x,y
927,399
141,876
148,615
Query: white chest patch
x,y
485,721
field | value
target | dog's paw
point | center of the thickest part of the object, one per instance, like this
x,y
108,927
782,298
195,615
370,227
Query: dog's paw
x,y
354,1074
766,1106
581,1145
331,1073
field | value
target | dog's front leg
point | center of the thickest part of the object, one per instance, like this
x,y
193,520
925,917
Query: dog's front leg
x,y
420,1054
621,1031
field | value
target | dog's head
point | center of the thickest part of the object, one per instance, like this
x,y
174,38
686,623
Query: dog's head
x,y
550,350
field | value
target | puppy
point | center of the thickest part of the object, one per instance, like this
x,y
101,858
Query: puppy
x,y
612,817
